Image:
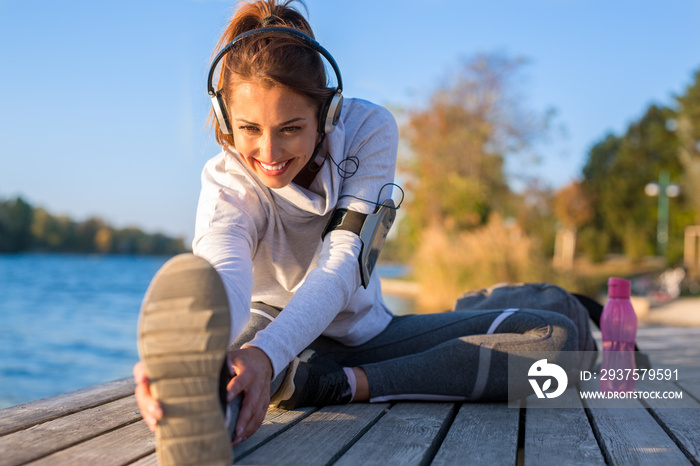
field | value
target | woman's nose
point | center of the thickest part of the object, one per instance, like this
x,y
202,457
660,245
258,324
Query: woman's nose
x,y
269,149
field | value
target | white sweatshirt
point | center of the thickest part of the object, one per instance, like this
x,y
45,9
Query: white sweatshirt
x,y
266,243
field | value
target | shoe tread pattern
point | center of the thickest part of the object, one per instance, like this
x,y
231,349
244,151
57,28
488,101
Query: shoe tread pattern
x,y
183,335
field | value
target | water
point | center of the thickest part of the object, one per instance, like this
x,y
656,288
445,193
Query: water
x,y
69,321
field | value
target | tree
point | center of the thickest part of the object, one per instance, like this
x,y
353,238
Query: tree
x,y
617,170
572,207
457,145
15,225
688,131
25,228
452,168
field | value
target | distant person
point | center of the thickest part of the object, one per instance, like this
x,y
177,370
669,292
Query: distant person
x,y
280,285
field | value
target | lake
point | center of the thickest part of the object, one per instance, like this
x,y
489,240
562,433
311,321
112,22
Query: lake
x,y
69,321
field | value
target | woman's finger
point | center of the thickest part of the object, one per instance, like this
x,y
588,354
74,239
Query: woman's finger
x,y
252,415
150,409
139,373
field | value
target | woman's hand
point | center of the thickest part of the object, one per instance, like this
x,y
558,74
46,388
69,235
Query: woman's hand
x,y
151,410
253,371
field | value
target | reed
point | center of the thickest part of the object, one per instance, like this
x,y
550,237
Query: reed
x,y
447,264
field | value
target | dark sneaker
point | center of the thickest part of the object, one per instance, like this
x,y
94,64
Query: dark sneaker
x,y
232,408
183,335
313,382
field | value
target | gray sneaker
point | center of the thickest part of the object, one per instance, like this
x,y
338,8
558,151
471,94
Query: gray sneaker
x,y
183,334
313,380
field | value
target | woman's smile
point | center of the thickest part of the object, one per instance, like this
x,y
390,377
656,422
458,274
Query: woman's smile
x,y
274,131
274,168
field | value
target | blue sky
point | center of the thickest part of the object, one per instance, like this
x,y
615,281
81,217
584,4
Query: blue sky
x,y
103,104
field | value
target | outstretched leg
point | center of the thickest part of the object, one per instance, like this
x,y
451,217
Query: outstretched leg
x,y
183,334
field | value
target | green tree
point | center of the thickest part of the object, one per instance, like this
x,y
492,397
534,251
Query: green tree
x,y
15,225
25,228
457,145
618,168
688,131
453,171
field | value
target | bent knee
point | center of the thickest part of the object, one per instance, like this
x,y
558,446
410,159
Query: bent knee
x,y
563,332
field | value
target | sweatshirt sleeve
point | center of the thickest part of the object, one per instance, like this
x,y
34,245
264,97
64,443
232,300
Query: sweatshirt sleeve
x,y
226,236
371,138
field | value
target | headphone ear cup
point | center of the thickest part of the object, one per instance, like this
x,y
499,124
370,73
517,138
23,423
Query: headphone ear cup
x,y
331,113
217,104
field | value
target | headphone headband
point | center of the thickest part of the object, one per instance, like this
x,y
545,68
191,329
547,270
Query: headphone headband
x,y
308,41
330,113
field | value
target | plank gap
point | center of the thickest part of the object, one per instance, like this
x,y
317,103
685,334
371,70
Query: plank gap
x,y
596,432
670,434
520,458
84,440
37,412
344,449
440,436
679,385
59,434
288,425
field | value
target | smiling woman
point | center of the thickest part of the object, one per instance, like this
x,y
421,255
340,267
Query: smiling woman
x,y
281,247
274,129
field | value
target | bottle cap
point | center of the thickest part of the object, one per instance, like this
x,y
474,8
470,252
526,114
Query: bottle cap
x,y
619,288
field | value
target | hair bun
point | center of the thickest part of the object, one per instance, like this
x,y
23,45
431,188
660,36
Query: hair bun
x,y
271,20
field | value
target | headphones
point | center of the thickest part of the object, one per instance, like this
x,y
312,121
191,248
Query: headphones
x,y
330,111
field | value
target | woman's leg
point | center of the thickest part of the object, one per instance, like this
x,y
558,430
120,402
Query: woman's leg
x,y
260,317
454,355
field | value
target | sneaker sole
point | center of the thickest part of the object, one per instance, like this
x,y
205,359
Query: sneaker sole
x,y
285,393
183,335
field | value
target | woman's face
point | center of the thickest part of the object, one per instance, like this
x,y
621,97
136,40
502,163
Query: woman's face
x,y
274,130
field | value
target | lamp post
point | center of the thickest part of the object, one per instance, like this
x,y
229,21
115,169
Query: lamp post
x,y
664,189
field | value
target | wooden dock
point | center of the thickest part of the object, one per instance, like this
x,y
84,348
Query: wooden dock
x,y
101,425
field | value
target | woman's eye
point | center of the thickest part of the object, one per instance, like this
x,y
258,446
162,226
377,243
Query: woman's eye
x,y
248,129
291,129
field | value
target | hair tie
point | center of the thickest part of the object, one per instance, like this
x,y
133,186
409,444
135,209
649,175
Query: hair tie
x,y
271,20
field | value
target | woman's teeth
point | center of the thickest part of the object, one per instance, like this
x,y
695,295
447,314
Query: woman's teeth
x,y
275,167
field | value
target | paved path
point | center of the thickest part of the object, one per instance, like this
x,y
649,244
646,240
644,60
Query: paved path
x,y
683,312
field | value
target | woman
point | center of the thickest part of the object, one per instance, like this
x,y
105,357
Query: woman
x,y
317,331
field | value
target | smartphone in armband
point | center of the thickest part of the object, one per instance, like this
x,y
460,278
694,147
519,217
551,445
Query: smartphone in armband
x,y
372,230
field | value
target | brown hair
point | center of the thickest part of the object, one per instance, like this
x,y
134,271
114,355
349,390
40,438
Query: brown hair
x,y
270,59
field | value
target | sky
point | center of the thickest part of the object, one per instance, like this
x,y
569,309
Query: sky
x,y
103,105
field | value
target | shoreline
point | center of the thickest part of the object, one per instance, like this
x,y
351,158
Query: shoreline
x,y
681,312
400,288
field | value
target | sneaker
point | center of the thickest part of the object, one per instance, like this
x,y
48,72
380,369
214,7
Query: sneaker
x,y
313,382
183,334
231,409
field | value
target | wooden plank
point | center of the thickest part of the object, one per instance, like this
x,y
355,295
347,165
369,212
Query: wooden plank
x,y
556,436
48,437
319,438
679,417
408,434
629,434
26,415
667,338
691,374
691,387
481,434
276,421
150,460
116,448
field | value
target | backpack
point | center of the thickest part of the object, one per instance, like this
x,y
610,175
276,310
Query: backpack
x,y
548,297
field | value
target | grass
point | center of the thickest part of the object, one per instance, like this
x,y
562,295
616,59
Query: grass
x,y
447,265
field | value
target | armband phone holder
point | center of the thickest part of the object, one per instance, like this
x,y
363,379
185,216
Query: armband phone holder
x,y
372,230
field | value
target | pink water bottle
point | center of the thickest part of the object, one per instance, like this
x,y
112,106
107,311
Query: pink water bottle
x,y
618,325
